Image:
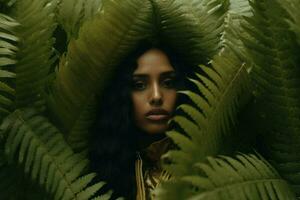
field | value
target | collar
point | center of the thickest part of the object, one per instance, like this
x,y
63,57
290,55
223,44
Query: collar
x,y
155,150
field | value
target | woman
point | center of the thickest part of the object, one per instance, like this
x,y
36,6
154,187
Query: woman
x,y
128,137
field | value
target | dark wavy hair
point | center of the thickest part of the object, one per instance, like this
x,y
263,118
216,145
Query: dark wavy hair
x,y
113,138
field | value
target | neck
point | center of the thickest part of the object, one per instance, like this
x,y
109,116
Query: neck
x,y
144,139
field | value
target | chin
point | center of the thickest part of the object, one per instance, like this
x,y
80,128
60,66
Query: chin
x,y
156,129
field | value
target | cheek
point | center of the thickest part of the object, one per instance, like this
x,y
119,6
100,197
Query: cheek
x,y
170,100
138,102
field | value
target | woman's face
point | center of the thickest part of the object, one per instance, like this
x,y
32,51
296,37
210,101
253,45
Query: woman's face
x,y
153,92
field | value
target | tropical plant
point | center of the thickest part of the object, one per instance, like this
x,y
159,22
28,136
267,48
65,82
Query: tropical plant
x,y
247,177
27,51
239,56
45,156
9,48
72,14
273,48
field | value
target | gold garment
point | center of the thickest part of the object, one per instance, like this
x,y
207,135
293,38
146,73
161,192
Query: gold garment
x,y
148,171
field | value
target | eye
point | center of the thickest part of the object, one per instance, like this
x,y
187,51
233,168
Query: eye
x,y
168,83
139,85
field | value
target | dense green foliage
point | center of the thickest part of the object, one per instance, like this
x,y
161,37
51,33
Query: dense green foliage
x,y
273,48
44,154
247,57
8,41
247,177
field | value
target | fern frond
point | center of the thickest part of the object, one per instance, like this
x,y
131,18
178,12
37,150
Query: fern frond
x,y
292,7
8,50
78,135
192,27
242,178
240,7
41,150
274,51
35,55
233,29
103,42
72,14
220,93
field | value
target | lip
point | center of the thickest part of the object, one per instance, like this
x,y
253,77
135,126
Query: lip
x,y
157,115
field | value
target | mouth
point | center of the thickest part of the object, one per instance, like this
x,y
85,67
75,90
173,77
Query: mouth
x,y
158,115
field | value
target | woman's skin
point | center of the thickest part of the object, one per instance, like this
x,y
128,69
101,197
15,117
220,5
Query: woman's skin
x,y
153,92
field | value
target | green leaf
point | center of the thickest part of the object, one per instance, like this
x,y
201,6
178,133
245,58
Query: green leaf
x,y
291,6
192,28
272,46
43,154
88,191
232,178
35,55
8,51
72,14
240,7
213,110
78,135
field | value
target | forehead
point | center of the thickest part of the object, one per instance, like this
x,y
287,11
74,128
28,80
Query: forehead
x,y
153,61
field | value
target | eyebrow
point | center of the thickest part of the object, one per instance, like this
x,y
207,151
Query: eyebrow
x,y
163,74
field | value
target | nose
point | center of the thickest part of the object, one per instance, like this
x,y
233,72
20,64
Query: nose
x,y
156,98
